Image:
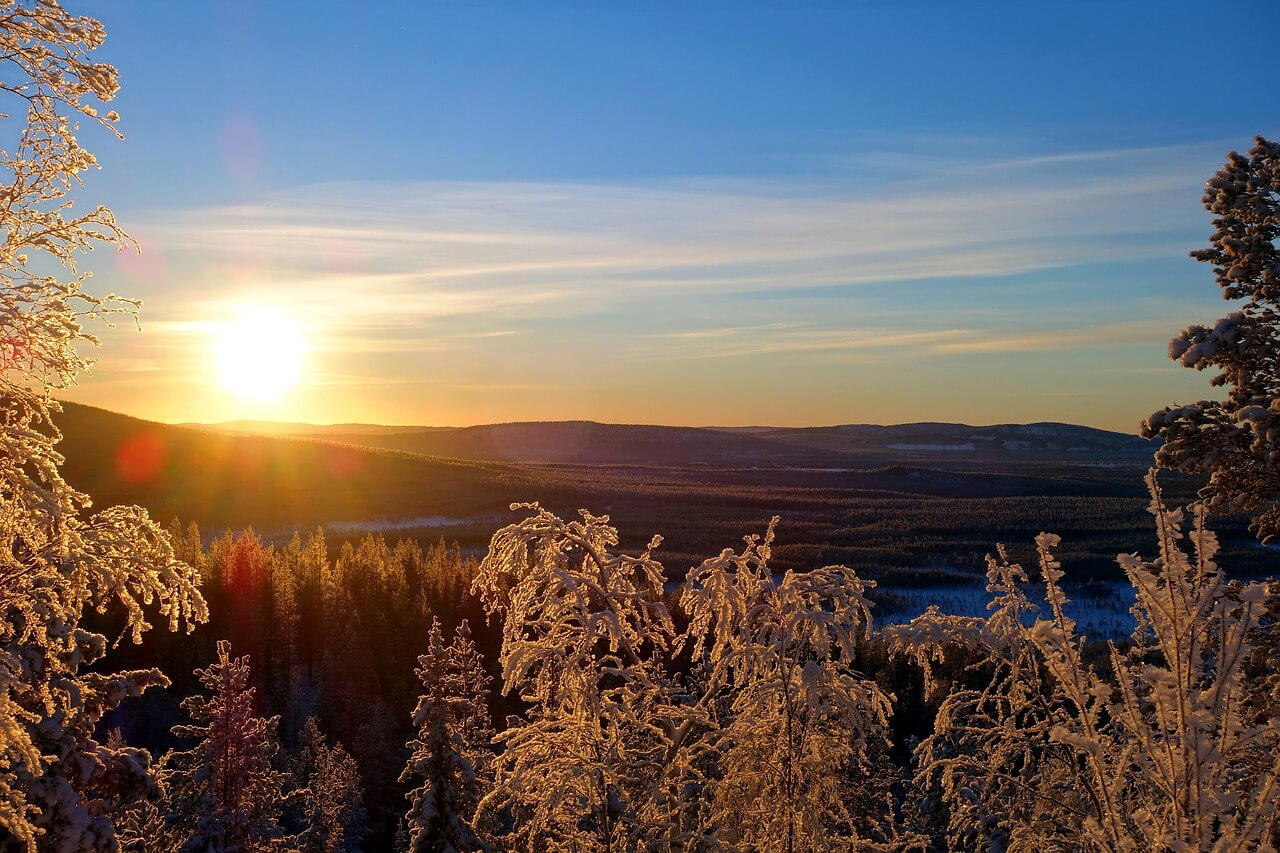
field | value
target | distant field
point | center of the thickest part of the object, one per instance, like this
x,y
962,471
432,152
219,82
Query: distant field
x,y
912,517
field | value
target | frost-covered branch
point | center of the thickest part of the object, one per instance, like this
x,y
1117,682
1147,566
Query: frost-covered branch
x,y
56,563
1160,749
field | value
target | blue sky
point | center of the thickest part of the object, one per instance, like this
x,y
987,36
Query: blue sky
x,y
681,213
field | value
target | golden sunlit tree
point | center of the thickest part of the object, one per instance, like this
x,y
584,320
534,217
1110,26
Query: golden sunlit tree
x,y
59,785
767,742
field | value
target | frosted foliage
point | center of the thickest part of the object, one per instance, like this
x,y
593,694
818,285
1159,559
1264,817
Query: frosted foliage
x,y
792,754
1236,441
758,741
582,636
334,800
55,560
1151,747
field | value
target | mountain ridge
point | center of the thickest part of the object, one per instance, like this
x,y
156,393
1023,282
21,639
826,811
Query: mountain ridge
x,y
299,427
857,445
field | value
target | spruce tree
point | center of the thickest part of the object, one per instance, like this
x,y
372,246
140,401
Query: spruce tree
x,y
448,761
334,800
223,794
1236,441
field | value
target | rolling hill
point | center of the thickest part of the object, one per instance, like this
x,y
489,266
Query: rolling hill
x,y
226,479
847,445
843,495
1057,441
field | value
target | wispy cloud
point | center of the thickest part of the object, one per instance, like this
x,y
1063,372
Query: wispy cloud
x,y
487,287
762,340
1106,334
424,250
723,342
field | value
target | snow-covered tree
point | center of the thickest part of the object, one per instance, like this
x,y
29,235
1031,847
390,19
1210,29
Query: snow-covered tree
x,y
224,794
584,629
800,725
55,561
1236,441
330,782
450,755
1158,749
767,740
475,729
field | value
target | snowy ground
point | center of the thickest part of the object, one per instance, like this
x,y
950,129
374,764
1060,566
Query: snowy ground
x,y
426,522
1100,608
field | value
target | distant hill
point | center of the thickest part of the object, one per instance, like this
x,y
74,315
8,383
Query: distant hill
x,y
847,445
228,476
845,494
1067,442
292,428
587,442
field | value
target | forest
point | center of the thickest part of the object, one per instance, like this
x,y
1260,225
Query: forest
x,y
570,687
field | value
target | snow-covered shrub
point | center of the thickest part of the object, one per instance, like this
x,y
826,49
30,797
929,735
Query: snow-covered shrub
x,y
583,634
1157,746
792,755
750,729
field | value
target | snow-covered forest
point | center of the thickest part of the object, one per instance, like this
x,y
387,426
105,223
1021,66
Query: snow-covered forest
x,y
161,690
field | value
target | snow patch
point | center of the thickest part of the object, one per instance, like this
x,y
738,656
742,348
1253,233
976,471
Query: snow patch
x,y
968,445
386,525
1103,614
1043,430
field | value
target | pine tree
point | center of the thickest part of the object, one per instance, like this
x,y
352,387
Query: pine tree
x,y
57,562
283,671
223,794
450,755
246,580
312,569
474,689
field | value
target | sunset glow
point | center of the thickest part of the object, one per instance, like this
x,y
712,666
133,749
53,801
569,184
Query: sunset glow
x,y
639,426
259,354
804,233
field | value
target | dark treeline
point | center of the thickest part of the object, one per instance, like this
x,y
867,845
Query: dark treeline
x,y
331,631
332,628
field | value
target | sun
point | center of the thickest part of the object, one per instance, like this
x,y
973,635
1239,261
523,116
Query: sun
x,y
259,353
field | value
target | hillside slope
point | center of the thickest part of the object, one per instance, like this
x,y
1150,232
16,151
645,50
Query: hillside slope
x,y
588,442
234,479
877,517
